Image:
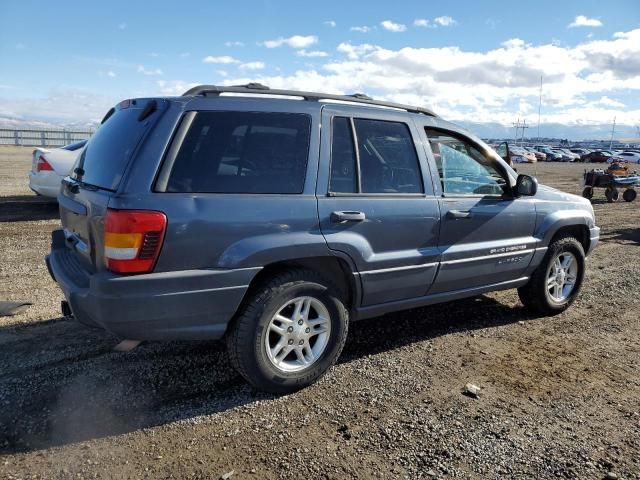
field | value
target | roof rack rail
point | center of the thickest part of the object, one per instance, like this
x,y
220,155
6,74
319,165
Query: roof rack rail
x,y
259,89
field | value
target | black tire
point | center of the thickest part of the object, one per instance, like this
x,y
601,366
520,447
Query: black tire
x,y
612,194
246,335
629,195
587,193
535,294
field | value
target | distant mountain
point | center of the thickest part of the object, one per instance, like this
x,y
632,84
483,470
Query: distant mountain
x,y
552,130
17,123
483,130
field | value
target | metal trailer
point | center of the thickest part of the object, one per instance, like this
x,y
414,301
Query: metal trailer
x,y
612,183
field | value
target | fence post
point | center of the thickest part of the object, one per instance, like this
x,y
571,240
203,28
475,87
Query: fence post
x,y
15,137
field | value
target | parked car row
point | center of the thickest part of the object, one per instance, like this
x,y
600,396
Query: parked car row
x,y
530,154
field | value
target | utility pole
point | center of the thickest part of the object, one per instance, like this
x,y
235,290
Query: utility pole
x,y
613,129
539,105
517,125
523,127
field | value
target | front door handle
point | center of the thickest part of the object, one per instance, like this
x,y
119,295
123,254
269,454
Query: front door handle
x,y
456,214
347,216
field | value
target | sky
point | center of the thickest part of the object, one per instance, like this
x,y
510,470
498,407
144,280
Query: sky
x,y
68,62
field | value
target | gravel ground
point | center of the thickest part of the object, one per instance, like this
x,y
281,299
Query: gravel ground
x,y
560,396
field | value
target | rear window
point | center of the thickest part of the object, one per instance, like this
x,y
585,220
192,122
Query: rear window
x,y
243,152
107,153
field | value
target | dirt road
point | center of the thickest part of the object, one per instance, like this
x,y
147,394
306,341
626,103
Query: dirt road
x,y
560,396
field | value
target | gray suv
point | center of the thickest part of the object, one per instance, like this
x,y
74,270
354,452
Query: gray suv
x,y
273,221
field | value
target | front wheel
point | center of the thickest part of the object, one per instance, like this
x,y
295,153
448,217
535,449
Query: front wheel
x,y
556,282
289,333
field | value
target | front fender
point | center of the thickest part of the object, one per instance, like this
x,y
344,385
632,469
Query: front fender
x,y
553,222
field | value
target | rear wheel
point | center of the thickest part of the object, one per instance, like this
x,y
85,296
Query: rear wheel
x,y
289,333
612,194
557,281
629,195
587,193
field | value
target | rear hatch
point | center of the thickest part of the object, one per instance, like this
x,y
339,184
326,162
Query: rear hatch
x,y
97,174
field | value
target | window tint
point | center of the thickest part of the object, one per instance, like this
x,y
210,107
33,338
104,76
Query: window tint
x,y
343,158
463,169
243,152
107,153
388,160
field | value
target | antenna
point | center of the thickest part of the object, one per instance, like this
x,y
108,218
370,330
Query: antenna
x,y
539,106
613,129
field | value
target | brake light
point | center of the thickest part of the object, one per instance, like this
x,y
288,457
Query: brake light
x,y
133,239
42,165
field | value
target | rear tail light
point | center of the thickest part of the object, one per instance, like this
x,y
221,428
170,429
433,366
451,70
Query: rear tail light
x,y
133,239
42,165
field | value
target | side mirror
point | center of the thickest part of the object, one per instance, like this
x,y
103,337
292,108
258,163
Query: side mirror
x,y
526,186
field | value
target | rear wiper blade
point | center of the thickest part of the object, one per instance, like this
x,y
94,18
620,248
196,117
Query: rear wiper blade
x,y
74,185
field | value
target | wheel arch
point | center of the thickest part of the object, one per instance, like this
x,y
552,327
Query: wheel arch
x,y
336,269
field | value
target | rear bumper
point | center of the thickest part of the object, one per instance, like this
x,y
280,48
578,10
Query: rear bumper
x,y
45,183
183,305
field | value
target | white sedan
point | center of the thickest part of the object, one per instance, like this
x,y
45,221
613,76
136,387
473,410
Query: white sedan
x,y
49,167
631,157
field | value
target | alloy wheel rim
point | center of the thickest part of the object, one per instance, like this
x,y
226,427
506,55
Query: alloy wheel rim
x,y
562,276
298,334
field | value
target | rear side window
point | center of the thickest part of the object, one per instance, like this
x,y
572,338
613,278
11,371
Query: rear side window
x,y
107,153
243,152
343,158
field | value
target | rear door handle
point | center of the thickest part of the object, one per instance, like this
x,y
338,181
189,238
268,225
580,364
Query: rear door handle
x,y
347,216
455,214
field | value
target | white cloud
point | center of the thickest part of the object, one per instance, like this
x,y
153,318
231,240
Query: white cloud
x,y
421,22
149,71
513,43
582,21
330,23
355,51
224,59
20,46
234,44
122,26
222,73
111,74
252,66
361,29
444,21
488,86
609,102
311,53
154,54
582,84
185,54
174,88
296,41
392,26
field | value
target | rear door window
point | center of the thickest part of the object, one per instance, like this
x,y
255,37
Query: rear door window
x,y
109,150
243,152
384,162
